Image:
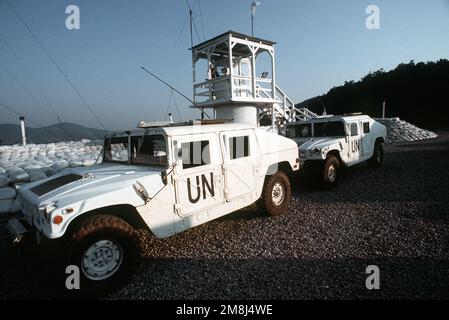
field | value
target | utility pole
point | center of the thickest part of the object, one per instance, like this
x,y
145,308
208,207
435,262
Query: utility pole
x,y
22,126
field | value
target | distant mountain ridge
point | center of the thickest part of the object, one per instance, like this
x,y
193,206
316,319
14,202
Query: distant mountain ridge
x,y
67,131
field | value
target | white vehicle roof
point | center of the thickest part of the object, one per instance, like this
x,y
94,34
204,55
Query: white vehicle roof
x,y
185,129
334,118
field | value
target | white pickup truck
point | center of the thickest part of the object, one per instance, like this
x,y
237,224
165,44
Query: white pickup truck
x,y
162,178
330,142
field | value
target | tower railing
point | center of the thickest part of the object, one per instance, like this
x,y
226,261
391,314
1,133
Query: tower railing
x,y
284,108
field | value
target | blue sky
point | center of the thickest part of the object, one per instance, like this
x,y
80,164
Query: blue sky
x,y
320,44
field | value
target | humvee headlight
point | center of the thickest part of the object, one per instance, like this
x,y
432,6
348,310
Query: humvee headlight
x,y
316,151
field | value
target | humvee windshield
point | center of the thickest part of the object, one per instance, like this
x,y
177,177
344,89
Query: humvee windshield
x,y
144,150
116,149
320,129
303,130
329,129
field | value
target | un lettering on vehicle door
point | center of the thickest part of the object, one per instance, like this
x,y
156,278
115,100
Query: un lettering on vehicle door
x,y
198,175
354,147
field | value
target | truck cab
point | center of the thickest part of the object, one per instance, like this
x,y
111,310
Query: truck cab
x,y
328,143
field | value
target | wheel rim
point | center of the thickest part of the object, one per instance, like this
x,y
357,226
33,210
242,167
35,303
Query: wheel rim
x,y
102,259
331,173
277,194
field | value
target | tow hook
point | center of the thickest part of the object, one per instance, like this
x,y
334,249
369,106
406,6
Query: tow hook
x,y
16,231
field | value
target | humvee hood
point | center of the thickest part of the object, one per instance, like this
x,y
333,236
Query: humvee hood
x,y
110,168
85,182
318,143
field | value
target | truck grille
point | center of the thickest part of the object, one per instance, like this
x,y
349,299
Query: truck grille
x,y
53,184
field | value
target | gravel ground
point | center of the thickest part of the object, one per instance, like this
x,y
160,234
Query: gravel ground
x,y
395,217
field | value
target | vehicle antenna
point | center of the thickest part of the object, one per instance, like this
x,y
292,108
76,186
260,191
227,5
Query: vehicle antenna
x,y
174,89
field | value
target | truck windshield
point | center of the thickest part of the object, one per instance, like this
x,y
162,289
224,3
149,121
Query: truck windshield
x,y
144,150
329,129
303,130
116,149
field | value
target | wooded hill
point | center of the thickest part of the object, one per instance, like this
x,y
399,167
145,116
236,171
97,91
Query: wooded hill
x,y
415,92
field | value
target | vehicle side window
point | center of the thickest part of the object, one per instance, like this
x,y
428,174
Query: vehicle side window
x,y
195,154
149,149
366,127
354,130
238,147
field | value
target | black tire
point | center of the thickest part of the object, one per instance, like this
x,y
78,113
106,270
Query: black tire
x,y
104,238
378,156
330,172
276,194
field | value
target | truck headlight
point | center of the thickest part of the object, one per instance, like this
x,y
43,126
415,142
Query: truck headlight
x,y
316,151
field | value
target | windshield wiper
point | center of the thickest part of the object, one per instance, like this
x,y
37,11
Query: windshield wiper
x,y
324,129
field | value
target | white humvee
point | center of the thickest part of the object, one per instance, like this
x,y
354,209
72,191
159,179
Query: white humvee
x,y
327,143
166,179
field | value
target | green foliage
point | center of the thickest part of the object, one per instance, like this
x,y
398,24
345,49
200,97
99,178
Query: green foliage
x,y
415,92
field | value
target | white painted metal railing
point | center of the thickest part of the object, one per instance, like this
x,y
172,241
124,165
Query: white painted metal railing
x,y
284,109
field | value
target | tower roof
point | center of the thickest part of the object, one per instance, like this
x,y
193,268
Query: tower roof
x,y
234,34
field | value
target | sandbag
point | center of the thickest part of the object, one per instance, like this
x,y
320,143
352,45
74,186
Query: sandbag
x,y
7,193
6,205
60,165
75,163
51,171
88,162
37,175
12,169
37,161
18,175
3,180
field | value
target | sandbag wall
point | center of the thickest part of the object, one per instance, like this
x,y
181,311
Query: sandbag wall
x,y
402,131
23,164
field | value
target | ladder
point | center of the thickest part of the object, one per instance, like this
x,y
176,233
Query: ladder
x,y
284,109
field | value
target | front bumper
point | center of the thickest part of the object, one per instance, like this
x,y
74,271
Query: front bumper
x,y
28,241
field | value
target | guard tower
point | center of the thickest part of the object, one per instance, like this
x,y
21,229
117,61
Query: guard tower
x,y
234,74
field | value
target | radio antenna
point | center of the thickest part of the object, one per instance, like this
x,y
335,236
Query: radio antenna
x,y
174,89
